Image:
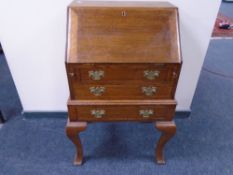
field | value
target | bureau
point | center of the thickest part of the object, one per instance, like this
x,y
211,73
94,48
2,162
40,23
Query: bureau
x,y
123,62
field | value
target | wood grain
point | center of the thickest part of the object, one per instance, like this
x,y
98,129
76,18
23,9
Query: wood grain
x,y
119,41
125,91
168,129
120,102
72,131
120,111
123,73
104,35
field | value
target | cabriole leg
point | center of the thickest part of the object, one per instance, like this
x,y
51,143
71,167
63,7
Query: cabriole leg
x,y
168,129
72,131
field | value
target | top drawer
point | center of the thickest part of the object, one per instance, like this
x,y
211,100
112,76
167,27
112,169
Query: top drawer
x,y
122,33
123,73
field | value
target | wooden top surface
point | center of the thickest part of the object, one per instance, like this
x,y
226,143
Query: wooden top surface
x,y
151,4
122,32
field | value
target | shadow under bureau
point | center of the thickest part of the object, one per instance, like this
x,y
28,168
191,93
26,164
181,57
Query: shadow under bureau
x,y
123,62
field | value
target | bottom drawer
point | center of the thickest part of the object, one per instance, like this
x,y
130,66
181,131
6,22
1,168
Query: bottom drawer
x,y
121,111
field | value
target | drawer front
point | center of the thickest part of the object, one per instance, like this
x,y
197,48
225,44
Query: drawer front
x,y
107,92
121,112
129,73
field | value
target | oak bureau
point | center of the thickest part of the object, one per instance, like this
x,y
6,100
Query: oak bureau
x,y
123,62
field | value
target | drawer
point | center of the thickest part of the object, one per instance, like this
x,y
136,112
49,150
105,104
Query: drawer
x,y
122,111
129,73
105,92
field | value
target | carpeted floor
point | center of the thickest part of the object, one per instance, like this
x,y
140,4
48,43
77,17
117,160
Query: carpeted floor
x,y
227,8
203,144
10,104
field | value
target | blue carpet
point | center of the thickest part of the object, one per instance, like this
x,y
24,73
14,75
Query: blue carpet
x,y
219,57
203,144
10,104
227,8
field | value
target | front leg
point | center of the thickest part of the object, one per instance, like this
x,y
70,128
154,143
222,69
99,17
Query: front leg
x,y
168,129
72,131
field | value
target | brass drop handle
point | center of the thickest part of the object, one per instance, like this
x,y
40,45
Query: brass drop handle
x,y
97,91
71,74
123,13
98,113
146,113
149,91
96,74
151,74
174,74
